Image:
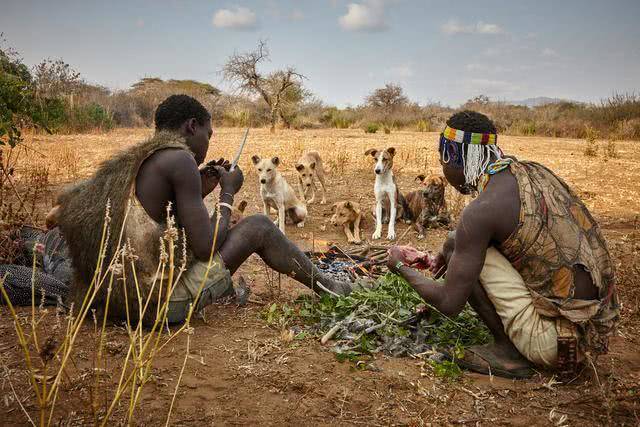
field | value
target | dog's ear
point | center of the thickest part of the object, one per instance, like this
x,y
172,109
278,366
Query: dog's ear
x,y
312,165
391,151
276,161
371,151
420,178
299,167
242,206
255,159
348,205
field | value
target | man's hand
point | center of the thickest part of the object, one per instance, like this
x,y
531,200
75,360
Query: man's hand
x,y
210,175
409,256
438,264
395,255
231,182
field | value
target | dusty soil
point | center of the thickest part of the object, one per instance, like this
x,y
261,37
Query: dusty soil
x,y
241,371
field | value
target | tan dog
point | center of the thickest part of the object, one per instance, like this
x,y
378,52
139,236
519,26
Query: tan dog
x,y
309,168
390,203
348,215
428,207
277,193
237,213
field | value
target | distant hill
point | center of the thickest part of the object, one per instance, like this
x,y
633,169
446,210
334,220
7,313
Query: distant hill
x,y
538,101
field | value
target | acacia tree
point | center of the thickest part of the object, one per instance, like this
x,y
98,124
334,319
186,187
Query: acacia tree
x,y
387,99
274,88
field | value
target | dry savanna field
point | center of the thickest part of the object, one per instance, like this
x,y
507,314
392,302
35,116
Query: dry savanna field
x,y
241,371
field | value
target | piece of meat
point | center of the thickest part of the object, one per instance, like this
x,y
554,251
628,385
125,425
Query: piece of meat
x,y
415,258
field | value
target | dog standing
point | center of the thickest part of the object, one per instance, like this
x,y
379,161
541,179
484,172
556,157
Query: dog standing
x,y
309,168
348,215
277,193
428,207
389,201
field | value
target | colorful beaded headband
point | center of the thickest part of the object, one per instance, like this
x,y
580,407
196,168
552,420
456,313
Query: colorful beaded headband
x,y
463,137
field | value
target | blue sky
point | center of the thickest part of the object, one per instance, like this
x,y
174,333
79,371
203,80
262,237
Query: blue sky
x,y
446,51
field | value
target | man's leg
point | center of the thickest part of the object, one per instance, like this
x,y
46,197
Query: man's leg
x,y
502,348
257,234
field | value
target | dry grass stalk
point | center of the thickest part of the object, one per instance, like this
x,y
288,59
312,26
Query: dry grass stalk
x,y
144,344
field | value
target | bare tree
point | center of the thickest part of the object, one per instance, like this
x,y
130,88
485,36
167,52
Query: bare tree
x,y
55,79
387,98
274,88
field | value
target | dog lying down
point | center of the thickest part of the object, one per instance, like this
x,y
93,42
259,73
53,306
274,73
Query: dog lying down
x,y
349,216
237,213
428,206
276,193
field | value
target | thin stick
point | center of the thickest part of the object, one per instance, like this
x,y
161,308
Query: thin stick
x,y
16,395
15,190
318,284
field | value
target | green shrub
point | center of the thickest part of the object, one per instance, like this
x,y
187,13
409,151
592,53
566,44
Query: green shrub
x,y
372,128
51,113
88,117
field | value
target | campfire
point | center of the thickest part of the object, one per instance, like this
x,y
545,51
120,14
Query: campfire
x,y
368,261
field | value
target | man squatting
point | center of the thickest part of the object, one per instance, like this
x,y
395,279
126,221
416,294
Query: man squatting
x,y
140,183
526,255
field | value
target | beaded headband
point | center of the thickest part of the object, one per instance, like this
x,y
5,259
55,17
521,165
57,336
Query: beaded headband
x,y
469,137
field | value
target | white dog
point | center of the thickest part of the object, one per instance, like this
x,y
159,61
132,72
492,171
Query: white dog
x,y
389,200
277,193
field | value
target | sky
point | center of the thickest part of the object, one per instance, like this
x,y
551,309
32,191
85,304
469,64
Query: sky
x,y
438,51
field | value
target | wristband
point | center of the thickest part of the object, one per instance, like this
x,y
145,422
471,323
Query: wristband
x,y
228,194
399,265
225,205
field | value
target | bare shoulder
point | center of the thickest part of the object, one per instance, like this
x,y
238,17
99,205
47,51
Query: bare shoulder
x,y
496,210
175,163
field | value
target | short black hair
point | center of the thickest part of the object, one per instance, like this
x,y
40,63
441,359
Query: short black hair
x,y
177,109
471,121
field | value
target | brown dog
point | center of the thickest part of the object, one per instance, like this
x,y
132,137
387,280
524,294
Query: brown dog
x,y
348,215
309,168
428,207
237,213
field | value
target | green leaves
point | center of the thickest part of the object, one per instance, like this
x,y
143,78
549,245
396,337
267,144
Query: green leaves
x,y
383,318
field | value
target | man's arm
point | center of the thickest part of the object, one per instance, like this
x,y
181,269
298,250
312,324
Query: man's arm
x,y
471,241
191,210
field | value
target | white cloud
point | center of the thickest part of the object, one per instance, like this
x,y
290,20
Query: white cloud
x,y
549,53
402,71
296,15
366,16
140,23
484,28
453,27
241,18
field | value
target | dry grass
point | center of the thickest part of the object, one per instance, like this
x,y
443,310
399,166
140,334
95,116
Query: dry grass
x,y
609,189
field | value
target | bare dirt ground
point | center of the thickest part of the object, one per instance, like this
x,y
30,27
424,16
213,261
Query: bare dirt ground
x,y
241,371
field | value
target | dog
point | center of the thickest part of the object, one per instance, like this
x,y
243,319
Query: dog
x,y
428,206
390,204
348,215
237,213
309,168
277,193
